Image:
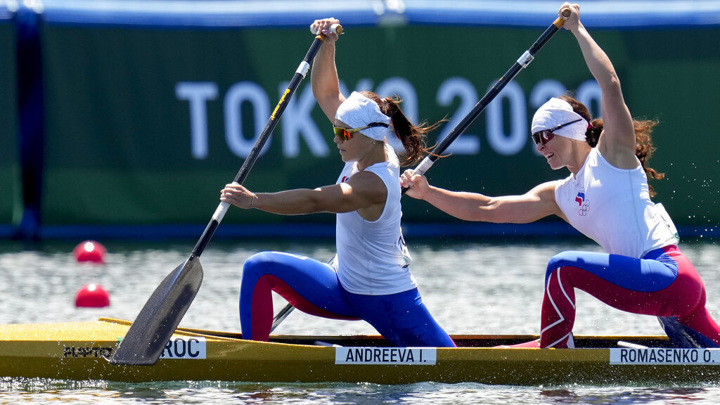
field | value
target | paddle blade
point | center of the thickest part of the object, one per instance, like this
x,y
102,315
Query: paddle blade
x,y
145,340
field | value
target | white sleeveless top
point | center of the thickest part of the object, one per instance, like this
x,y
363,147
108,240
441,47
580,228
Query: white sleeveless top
x,y
372,258
612,207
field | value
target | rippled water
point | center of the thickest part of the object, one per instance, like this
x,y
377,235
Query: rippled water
x,y
469,286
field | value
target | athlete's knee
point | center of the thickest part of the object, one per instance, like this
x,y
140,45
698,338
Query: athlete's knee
x,y
553,265
562,259
258,263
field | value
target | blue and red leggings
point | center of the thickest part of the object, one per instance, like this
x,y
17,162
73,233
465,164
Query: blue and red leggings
x,y
313,287
663,283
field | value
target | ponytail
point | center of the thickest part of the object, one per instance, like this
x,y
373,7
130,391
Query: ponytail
x,y
412,136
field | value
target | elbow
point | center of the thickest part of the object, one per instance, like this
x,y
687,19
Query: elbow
x,y
611,83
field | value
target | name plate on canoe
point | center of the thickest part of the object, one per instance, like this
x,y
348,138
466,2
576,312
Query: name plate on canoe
x,y
185,348
662,356
411,356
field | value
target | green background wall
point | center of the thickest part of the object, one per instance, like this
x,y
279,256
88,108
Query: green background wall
x,y
119,138
10,187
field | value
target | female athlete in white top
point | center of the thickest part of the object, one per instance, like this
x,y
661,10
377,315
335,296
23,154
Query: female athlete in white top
x,y
369,278
607,198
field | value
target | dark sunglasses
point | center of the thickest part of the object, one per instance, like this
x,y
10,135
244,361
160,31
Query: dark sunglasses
x,y
346,134
546,135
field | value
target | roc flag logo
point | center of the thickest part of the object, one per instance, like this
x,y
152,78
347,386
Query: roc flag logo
x,y
580,198
582,203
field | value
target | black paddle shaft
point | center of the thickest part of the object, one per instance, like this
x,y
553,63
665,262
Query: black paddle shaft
x,y
520,64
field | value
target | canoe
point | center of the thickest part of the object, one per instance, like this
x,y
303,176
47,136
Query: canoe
x,y
79,351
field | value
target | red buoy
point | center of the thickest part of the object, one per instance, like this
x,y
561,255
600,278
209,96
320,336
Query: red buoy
x,y
90,251
92,296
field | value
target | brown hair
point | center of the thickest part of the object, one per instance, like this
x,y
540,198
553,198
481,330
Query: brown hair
x,y
412,136
643,142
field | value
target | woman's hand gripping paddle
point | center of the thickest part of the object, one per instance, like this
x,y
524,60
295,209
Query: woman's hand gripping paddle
x,y
145,340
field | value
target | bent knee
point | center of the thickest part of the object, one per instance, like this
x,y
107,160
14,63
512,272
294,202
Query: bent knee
x,y
258,262
562,259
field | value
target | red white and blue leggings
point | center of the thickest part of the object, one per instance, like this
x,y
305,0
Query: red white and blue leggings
x,y
663,283
313,287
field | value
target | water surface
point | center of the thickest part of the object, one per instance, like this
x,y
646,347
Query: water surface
x,y
471,287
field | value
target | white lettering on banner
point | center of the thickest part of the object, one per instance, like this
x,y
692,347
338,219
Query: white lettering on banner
x,y
544,91
298,123
422,356
197,94
507,123
398,86
589,93
239,93
458,87
185,348
662,356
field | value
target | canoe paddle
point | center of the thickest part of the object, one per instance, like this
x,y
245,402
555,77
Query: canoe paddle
x,y
428,161
520,64
145,340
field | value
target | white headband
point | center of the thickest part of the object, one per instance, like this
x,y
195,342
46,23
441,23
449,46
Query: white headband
x,y
557,112
358,111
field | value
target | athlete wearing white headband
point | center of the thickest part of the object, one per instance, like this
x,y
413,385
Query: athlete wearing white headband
x,y
558,117
358,111
369,278
606,197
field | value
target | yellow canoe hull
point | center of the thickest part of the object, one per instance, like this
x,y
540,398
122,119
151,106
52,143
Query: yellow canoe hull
x,y
79,351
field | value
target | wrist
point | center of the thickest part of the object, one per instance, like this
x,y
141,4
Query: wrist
x,y
578,29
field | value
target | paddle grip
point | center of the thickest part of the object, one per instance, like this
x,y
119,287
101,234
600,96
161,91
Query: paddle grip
x,y
335,29
564,15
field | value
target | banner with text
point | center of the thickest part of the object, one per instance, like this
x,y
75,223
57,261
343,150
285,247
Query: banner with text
x,y
145,126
